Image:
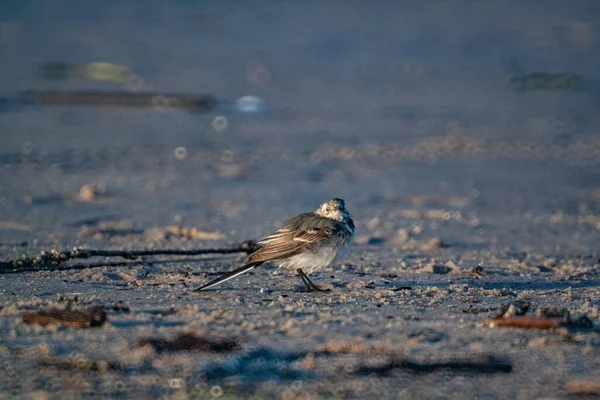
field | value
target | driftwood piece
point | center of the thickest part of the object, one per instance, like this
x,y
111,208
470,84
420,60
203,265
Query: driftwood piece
x,y
92,317
513,315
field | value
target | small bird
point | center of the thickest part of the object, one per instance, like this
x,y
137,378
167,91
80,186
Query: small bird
x,y
307,243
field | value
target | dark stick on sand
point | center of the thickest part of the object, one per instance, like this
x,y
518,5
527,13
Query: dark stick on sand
x,y
52,260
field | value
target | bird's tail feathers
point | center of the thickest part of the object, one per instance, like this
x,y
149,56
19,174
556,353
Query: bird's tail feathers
x,y
229,275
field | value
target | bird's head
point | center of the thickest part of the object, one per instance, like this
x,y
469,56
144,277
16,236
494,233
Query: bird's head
x,y
334,209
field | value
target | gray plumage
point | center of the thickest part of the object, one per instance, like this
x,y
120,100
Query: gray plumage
x,y
306,243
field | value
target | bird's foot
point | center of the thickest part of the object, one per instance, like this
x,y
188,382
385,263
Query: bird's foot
x,y
310,286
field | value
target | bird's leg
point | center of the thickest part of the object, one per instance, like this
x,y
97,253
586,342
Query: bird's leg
x,y
309,284
302,276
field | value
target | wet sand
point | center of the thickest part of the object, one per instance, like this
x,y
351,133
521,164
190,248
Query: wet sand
x,y
467,195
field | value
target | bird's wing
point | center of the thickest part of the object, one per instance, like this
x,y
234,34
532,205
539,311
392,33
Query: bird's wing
x,y
297,235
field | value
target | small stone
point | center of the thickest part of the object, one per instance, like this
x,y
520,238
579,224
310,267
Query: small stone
x,y
89,192
437,269
373,223
309,362
539,342
361,239
453,267
402,235
369,239
433,244
10,310
513,309
356,285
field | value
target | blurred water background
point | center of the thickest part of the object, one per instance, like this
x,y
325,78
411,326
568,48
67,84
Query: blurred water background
x,y
474,119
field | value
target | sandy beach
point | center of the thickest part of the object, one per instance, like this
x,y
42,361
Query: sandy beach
x,y
463,136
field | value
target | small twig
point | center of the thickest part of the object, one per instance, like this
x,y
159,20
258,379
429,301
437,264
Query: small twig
x,y
566,321
525,322
52,260
583,387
